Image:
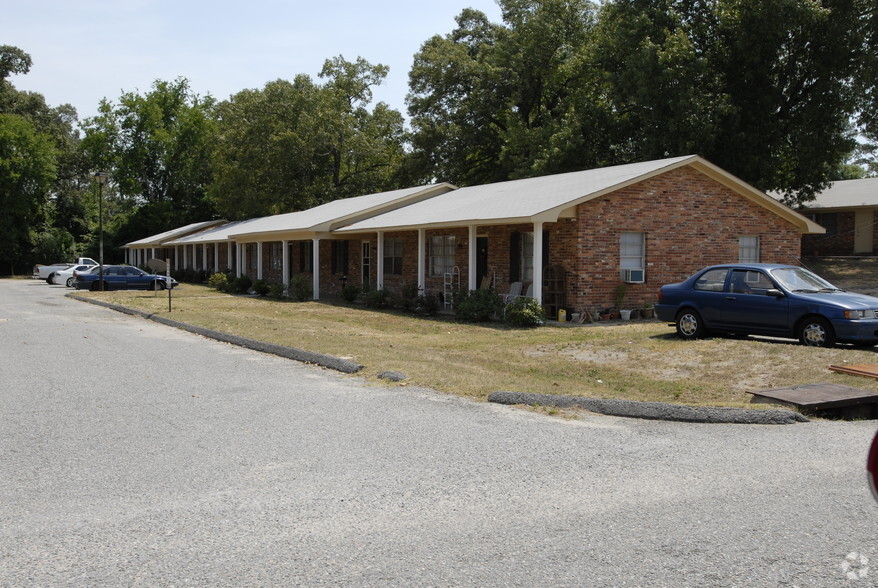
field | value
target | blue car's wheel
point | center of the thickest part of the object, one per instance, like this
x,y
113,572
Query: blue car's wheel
x,y
689,324
816,331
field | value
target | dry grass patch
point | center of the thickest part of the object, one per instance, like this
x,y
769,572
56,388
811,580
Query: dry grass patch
x,y
641,360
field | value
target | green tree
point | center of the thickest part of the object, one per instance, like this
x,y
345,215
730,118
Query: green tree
x,y
27,171
63,222
293,145
156,148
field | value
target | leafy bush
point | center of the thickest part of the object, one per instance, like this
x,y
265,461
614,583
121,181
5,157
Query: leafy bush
x,y
218,282
524,312
276,290
260,287
242,285
300,288
377,298
427,304
477,306
350,292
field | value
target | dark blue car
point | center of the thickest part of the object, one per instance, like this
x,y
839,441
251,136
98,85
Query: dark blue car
x,y
769,299
121,277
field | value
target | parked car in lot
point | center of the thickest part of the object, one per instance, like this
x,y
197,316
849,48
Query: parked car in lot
x,y
66,276
121,277
44,272
769,299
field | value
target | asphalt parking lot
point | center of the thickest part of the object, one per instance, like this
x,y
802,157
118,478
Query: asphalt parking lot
x,y
132,453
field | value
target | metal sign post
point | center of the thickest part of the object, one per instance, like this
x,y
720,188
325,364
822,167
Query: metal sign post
x,y
169,283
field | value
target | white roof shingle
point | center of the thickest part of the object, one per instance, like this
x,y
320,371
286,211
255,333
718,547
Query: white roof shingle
x,y
162,238
327,216
847,194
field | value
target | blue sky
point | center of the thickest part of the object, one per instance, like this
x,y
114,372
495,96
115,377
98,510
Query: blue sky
x,y
85,50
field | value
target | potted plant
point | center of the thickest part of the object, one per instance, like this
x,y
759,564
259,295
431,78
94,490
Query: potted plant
x,y
620,292
647,311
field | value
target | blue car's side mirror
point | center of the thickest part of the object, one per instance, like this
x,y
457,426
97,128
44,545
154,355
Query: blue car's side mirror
x,y
774,292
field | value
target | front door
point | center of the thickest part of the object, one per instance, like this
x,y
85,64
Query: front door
x,y
481,259
864,228
366,265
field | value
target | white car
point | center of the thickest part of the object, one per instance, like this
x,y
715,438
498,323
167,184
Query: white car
x,y
66,276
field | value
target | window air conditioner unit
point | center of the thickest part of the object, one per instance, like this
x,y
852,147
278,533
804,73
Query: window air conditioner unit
x,y
633,276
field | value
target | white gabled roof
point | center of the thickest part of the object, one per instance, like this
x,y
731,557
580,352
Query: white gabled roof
x,y
544,199
328,216
219,234
847,194
161,238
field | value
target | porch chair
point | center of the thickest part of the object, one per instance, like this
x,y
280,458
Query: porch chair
x,y
514,292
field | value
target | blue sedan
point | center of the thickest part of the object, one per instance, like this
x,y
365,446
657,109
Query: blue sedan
x,y
121,277
769,299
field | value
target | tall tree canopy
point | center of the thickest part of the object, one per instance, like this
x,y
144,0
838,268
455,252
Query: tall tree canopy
x,y
157,149
293,145
767,89
43,195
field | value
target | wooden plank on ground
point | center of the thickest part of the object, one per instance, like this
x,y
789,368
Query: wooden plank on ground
x,y
869,370
819,396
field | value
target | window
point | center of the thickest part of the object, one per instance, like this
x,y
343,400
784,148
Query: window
x,y
306,257
712,281
441,254
276,258
340,257
749,282
527,257
393,257
827,220
631,251
748,249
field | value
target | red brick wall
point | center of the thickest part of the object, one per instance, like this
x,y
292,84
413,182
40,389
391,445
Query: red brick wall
x,y
689,222
841,243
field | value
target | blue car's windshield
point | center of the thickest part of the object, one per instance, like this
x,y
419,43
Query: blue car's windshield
x,y
797,279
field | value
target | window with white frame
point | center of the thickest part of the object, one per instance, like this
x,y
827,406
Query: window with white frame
x,y
276,256
393,257
632,252
441,254
748,249
527,257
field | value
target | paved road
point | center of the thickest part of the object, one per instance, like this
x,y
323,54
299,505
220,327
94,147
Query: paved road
x,y
134,454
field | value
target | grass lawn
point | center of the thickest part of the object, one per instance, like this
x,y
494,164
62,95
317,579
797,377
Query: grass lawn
x,y
637,360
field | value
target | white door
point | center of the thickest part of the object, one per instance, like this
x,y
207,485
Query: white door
x,y
863,231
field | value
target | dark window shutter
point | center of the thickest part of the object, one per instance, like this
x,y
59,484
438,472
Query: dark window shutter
x,y
345,252
545,248
334,268
514,256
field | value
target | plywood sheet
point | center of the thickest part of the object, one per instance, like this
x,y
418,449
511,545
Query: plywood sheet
x,y
869,370
817,396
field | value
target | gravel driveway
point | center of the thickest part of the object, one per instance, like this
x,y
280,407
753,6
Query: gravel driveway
x,y
132,453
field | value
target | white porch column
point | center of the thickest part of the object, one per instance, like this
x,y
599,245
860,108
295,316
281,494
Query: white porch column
x,y
204,256
216,258
538,262
422,246
185,257
259,260
176,257
238,260
153,253
285,264
471,264
379,265
229,255
315,262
